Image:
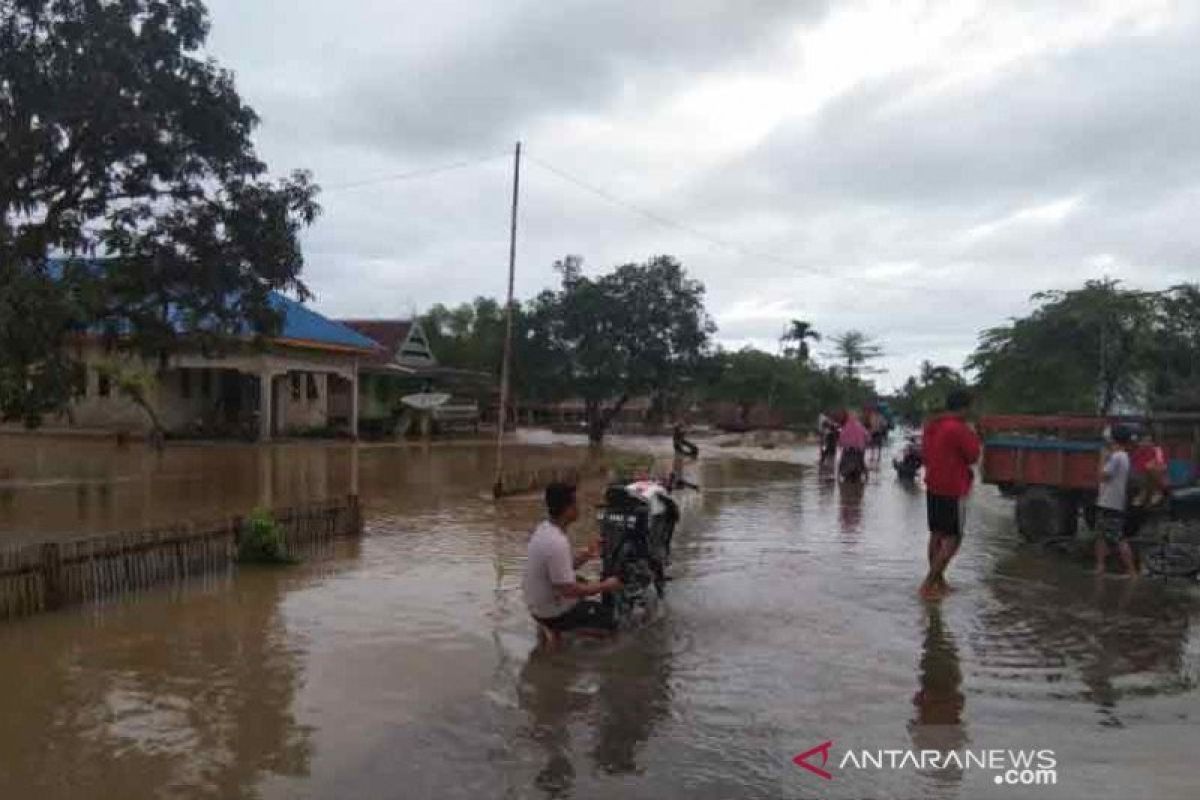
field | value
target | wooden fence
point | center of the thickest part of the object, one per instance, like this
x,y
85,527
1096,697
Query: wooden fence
x,y
519,481
50,575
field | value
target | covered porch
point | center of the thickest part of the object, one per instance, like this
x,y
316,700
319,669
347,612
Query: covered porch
x,y
263,396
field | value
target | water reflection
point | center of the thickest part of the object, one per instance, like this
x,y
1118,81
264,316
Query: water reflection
x,y
850,509
1105,641
191,694
616,697
937,722
52,487
633,696
547,692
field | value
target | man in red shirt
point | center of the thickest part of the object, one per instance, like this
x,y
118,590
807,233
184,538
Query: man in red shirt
x,y
950,448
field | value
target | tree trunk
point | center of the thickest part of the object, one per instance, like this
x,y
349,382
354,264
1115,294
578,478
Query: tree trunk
x,y
599,419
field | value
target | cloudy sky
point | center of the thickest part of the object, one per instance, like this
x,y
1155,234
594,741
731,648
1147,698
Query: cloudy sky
x,y
914,170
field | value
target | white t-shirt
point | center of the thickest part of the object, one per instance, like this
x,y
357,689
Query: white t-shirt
x,y
1114,486
550,562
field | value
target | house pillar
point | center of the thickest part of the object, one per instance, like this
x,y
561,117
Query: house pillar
x,y
266,405
354,401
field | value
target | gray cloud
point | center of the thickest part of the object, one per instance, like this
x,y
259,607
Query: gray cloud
x,y
918,208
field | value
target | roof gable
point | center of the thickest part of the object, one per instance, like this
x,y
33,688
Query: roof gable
x,y
402,341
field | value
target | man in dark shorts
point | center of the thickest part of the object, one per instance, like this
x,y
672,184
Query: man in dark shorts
x,y
950,448
1113,502
553,594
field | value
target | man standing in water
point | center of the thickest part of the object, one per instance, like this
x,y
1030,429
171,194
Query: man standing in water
x,y
950,449
553,594
1113,502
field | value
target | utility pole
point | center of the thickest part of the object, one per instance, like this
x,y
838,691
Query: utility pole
x,y
506,367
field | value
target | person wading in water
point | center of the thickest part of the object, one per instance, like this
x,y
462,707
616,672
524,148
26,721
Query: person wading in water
x,y
553,593
853,441
951,448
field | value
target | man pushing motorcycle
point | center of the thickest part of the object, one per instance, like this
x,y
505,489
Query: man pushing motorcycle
x,y
556,598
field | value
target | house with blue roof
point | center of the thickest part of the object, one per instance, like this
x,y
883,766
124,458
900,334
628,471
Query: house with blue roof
x,y
304,380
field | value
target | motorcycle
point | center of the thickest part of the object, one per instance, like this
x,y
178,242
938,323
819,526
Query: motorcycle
x,y
910,461
829,442
637,523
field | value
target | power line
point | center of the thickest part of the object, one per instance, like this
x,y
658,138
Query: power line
x,y
670,223
878,285
416,173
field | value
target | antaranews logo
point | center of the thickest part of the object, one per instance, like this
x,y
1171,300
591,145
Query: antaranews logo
x,y
822,750
1011,767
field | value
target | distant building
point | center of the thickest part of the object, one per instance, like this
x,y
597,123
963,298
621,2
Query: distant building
x,y
405,364
305,380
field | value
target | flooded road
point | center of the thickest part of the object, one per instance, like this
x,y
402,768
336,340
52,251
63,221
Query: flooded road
x,y
402,665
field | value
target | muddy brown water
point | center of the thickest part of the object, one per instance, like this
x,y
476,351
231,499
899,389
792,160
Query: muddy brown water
x,y
401,666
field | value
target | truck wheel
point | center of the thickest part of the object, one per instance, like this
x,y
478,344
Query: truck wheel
x,y
1068,509
1042,514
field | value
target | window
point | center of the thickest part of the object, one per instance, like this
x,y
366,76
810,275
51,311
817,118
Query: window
x,y
206,383
294,378
103,384
185,383
314,391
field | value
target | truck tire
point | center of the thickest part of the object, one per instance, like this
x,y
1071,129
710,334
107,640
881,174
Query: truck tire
x,y
1043,514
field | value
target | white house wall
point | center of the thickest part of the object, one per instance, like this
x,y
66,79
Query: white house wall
x,y
177,412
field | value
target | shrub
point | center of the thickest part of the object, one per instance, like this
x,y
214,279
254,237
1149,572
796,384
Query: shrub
x,y
262,541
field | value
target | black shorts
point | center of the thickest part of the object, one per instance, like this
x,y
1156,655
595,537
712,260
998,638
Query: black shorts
x,y
946,514
584,614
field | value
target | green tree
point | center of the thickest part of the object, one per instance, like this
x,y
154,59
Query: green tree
x,y
470,336
747,377
856,350
1174,350
121,140
925,393
640,329
1081,351
37,374
793,391
795,340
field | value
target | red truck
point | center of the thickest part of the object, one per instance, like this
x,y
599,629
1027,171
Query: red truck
x,y
1050,464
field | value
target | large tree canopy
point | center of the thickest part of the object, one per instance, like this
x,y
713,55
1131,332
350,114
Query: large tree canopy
x,y
640,329
122,145
1084,351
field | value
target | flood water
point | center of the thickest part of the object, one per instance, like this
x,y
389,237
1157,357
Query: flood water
x,y
403,667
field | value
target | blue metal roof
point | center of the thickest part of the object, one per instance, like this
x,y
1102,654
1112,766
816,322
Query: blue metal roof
x,y
302,323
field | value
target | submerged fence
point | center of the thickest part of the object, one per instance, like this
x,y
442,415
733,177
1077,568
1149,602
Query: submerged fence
x,y
522,481
50,575
514,482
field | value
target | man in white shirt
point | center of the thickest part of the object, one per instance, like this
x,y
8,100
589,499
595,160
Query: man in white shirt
x,y
552,592
1113,501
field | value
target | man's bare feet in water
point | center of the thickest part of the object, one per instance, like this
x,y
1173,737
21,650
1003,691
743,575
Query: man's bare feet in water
x,y
931,591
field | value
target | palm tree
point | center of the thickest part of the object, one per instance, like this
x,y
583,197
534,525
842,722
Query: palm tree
x,y
855,349
797,335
